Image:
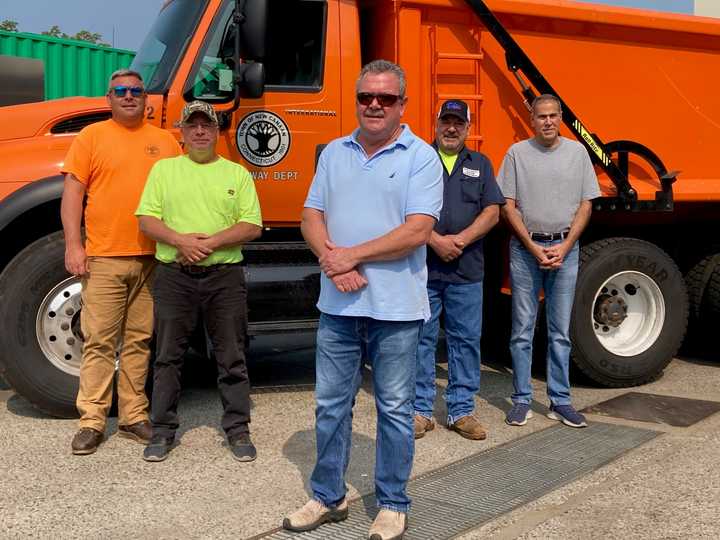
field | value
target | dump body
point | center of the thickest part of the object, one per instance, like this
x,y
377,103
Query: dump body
x,y
628,74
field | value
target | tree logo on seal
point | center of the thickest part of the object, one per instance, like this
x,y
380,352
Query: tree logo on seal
x,y
263,138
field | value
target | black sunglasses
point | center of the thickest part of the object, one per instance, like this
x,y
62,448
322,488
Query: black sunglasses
x,y
384,100
121,91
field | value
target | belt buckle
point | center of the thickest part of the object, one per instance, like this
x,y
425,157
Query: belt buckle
x,y
194,270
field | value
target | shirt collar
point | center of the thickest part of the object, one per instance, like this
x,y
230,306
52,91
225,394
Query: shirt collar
x,y
461,155
405,139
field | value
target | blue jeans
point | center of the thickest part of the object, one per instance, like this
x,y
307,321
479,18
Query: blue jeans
x,y
527,280
391,348
463,326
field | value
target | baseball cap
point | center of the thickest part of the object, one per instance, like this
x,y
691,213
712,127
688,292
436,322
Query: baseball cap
x,y
201,107
455,107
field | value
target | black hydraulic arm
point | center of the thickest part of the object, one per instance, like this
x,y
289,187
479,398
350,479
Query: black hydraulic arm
x,y
600,152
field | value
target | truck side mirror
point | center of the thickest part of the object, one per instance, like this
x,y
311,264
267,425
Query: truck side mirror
x,y
252,80
251,19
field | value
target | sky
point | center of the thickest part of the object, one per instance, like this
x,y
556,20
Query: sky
x,y
676,6
130,19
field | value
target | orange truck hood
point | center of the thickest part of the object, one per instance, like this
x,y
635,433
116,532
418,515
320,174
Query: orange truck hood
x,y
33,119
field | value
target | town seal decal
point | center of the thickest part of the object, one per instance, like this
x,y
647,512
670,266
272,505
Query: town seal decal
x,y
263,138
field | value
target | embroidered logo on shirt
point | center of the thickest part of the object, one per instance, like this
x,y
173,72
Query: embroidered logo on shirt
x,y
231,192
392,175
152,150
471,172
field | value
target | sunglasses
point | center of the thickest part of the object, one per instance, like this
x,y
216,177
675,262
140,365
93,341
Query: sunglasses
x,y
121,91
384,100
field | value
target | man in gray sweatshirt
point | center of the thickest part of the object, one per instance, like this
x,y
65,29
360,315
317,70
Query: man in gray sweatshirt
x,y
548,182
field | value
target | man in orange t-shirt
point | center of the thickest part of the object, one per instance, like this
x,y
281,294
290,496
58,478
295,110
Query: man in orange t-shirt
x,y
107,165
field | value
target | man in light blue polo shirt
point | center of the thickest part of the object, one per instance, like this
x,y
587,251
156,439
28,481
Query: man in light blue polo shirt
x,y
371,208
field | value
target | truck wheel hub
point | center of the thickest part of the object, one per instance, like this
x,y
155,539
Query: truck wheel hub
x,y
628,313
610,310
57,326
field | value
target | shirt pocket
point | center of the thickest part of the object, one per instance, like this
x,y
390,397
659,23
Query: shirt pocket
x,y
227,198
471,189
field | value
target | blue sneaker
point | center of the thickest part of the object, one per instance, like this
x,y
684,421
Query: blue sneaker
x,y
519,414
567,415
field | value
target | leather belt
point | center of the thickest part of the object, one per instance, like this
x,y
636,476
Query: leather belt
x,y
198,271
548,237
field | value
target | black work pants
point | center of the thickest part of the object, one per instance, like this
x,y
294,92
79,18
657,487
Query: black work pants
x,y
220,298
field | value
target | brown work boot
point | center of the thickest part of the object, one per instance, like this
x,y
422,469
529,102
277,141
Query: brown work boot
x,y
86,441
314,514
139,432
423,425
469,427
388,525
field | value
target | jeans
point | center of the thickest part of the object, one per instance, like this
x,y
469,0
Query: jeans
x,y
117,308
463,326
391,347
527,279
180,299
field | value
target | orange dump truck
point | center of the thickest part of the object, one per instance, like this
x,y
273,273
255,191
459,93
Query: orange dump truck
x,y
639,90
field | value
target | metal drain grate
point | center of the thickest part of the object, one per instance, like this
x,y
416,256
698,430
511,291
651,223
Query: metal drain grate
x,y
465,494
671,410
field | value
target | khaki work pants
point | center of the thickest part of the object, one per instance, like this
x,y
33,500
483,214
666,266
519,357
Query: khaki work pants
x,y
117,312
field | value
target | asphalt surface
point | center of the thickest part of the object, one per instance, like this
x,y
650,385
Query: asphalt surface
x,y
668,488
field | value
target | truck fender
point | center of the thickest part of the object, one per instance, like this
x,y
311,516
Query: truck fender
x,y
30,196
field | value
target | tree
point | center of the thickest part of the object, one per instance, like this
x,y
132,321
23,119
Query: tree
x,y
92,37
9,26
82,35
55,32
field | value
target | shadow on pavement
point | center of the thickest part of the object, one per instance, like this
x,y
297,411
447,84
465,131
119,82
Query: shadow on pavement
x,y
19,406
300,450
706,358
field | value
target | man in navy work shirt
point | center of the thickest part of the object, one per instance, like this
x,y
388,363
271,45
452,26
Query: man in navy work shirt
x,y
369,213
471,207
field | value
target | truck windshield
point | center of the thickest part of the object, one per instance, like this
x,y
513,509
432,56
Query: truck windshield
x,y
165,45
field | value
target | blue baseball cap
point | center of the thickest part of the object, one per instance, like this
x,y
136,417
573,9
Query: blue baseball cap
x,y
455,107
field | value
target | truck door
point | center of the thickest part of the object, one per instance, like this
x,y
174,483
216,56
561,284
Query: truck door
x,y
276,136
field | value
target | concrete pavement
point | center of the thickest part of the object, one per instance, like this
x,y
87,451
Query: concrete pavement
x,y
668,488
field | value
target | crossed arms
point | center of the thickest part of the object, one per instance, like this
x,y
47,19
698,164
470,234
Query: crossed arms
x,y
340,264
450,246
548,257
195,247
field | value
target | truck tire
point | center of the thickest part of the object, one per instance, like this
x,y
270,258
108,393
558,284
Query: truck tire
x,y
704,313
41,342
630,312
696,281
712,295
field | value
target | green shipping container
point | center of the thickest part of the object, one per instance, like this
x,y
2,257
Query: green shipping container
x,y
72,68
